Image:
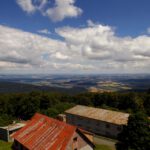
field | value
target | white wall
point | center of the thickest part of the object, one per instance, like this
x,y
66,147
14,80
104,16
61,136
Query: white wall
x,y
87,147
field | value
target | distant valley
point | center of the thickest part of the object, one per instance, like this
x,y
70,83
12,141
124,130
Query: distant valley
x,y
74,83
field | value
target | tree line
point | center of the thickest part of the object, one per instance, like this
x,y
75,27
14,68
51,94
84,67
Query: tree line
x,y
24,105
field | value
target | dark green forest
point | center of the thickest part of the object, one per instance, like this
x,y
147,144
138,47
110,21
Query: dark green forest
x,y
17,106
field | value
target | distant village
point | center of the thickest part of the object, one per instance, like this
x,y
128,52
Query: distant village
x,y
73,130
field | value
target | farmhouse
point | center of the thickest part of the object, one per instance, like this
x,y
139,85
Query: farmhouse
x,y
44,133
7,131
99,121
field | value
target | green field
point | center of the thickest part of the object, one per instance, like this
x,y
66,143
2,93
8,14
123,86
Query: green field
x,y
5,145
103,147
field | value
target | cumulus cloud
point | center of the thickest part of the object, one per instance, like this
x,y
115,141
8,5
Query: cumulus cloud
x,y
93,49
31,6
44,31
60,56
61,10
99,42
19,48
26,5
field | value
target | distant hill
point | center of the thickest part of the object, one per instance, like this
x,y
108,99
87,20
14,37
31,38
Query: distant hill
x,y
74,83
13,87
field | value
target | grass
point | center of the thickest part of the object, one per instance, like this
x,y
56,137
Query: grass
x,y
103,147
5,145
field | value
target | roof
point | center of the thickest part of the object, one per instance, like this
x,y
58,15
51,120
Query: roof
x,y
14,126
110,116
88,134
44,133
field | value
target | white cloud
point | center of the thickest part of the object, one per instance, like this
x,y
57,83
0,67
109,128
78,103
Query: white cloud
x,y
44,31
61,10
26,5
21,47
72,67
31,6
60,56
25,51
93,49
98,42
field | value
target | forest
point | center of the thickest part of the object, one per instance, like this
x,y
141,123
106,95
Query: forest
x,y
22,106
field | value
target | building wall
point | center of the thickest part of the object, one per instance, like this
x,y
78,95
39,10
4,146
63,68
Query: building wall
x,y
80,144
95,126
87,147
4,135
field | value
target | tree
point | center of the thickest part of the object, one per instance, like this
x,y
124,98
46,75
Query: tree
x,y
82,100
27,106
147,104
136,135
52,112
5,120
148,91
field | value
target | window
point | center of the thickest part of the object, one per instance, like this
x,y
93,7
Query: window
x,y
75,139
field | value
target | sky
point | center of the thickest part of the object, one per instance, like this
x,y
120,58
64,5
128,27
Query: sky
x,y
74,36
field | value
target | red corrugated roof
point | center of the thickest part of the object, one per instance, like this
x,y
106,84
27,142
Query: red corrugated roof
x,y
44,133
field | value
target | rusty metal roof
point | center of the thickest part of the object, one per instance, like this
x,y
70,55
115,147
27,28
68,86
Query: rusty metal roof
x,y
110,116
44,133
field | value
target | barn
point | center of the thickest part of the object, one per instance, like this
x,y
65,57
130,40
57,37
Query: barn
x,y
44,133
99,121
